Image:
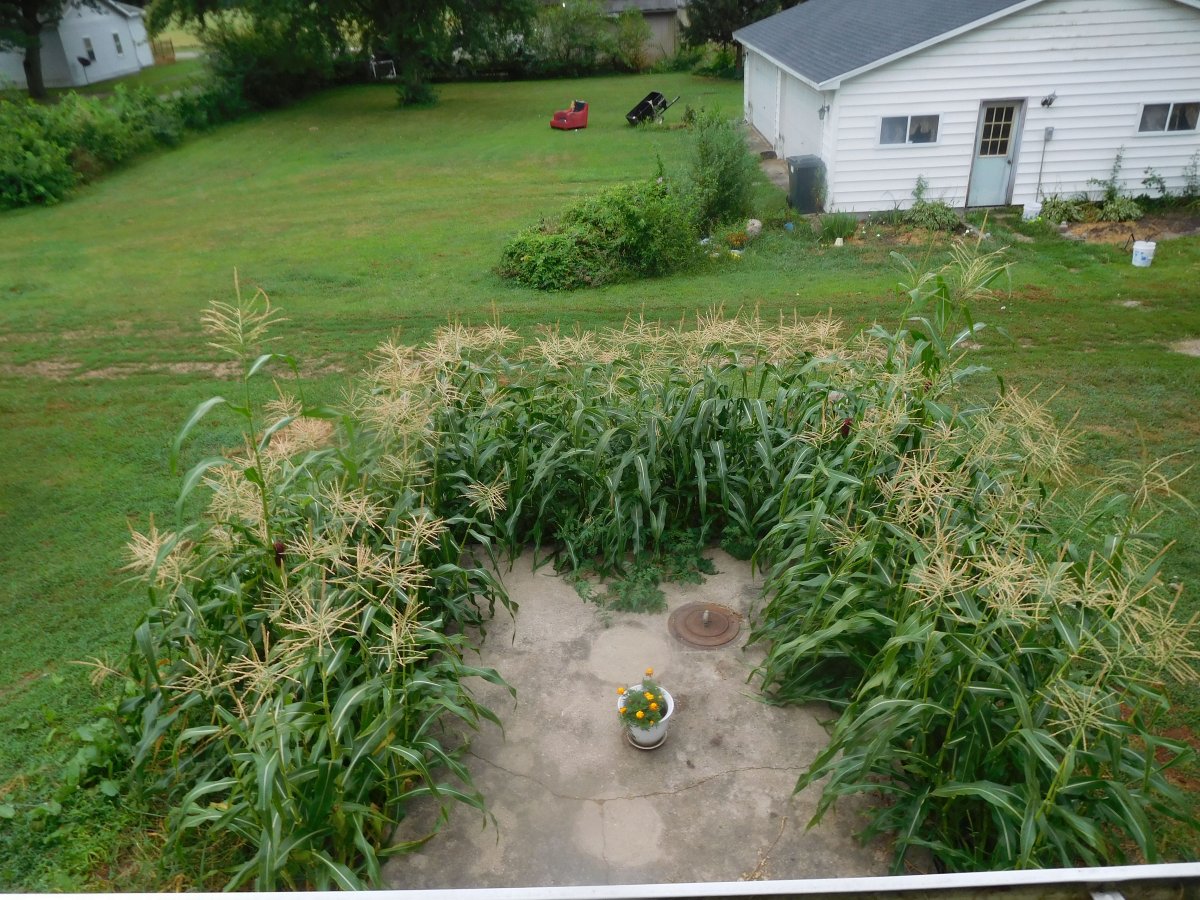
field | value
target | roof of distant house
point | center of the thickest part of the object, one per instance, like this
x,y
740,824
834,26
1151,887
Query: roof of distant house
x,y
826,40
646,6
125,9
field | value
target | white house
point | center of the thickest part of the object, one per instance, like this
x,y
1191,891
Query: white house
x,y
992,101
109,34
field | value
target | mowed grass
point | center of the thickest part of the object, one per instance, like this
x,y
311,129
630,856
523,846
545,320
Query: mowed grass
x,y
359,220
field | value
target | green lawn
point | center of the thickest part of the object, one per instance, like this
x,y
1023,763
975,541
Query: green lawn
x,y
358,220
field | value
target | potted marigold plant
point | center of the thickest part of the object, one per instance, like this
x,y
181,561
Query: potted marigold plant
x,y
644,709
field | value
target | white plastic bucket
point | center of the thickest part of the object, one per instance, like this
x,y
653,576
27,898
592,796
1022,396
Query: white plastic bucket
x,y
1031,211
1143,253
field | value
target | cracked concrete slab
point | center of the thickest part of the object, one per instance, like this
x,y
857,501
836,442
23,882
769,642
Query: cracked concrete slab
x,y
574,804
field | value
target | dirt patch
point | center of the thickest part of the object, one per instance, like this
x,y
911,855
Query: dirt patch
x,y
1130,304
192,367
50,369
1187,348
1161,227
61,370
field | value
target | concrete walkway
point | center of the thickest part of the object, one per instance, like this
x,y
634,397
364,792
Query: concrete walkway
x,y
575,804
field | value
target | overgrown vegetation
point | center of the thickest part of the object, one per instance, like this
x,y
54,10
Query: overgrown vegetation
x,y
91,346
644,229
836,225
997,652
45,150
996,649
305,643
631,231
934,215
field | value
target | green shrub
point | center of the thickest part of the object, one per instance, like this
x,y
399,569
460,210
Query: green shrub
x,y
33,169
572,38
1119,209
934,215
721,171
552,260
1062,209
631,37
270,60
638,230
836,225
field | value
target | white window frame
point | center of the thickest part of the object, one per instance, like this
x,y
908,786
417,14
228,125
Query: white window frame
x,y
1170,105
908,142
89,49
120,48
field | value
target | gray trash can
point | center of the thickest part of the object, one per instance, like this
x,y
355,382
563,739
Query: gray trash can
x,y
806,183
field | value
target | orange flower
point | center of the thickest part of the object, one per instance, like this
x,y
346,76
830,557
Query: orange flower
x,y
623,709
654,706
648,695
649,672
640,714
620,690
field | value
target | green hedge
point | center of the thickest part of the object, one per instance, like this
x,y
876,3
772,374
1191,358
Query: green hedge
x,y
45,150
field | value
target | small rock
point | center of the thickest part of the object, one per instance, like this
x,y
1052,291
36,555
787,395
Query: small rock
x,y
753,228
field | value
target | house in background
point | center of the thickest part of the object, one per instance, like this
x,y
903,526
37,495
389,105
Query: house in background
x,y
665,18
992,101
109,34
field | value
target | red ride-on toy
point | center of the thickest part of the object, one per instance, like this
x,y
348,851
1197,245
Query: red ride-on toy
x,y
570,119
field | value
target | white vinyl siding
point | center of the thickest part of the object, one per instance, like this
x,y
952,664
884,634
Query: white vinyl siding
x,y
800,123
762,96
1104,59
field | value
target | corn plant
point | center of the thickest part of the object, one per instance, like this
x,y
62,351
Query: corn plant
x,y
993,644
303,651
996,654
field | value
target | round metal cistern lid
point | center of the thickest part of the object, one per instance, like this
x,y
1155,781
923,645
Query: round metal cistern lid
x,y
704,625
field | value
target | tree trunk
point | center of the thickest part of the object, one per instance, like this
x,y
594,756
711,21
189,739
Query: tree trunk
x,y
31,25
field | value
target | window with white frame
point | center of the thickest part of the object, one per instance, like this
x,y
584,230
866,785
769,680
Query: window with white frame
x,y
1169,117
88,50
117,44
908,130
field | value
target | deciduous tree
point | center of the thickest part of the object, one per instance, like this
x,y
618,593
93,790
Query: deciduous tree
x,y
717,20
418,33
21,26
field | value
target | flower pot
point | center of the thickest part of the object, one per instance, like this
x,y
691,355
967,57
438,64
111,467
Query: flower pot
x,y
649,738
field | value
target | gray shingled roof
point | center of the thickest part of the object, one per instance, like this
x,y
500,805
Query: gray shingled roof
x,y
824,39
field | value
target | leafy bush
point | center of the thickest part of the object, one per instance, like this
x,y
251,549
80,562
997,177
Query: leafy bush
x,y
33,169
1191,177
573,38
721,171
51,148
270,60
551,259
1062,209
631,36
838,225
934,215
1119,209
1114,206
638,230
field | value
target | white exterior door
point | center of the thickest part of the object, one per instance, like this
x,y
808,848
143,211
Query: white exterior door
x,y
997,140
